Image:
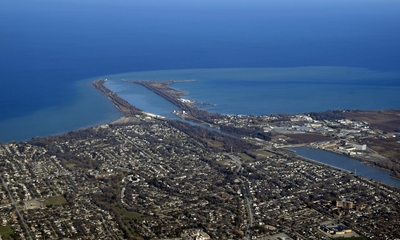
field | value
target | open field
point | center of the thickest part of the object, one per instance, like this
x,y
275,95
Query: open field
x,y
127,218
60,200
214,143
245,157
265,153
385,120
127,214
6,231
70,166
389,147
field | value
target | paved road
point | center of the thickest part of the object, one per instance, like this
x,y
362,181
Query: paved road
x,y
246,194
25,227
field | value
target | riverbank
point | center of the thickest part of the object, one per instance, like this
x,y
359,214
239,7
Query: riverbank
x,y
346,163
187,110
162,90
293,152
363,159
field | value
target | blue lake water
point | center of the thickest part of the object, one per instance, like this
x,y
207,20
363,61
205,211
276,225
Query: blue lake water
x,y
48,47
263,91
347,163
142,98
87,107
257,91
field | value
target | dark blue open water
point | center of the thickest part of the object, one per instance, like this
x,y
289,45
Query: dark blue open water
x,y
47,47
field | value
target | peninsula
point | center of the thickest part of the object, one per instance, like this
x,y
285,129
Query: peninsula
x,y
187,108
123,106
330,130
153,178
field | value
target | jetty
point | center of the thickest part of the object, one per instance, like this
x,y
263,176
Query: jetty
x,y
126,108
187,108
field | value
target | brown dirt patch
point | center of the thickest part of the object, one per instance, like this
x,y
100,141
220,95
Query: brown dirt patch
x,y
385,120
214,143
388,147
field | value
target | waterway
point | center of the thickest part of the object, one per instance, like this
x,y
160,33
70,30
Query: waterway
x,y
346,163
255,58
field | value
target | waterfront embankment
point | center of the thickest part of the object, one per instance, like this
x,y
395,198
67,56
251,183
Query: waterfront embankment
x,y
126,108
187,110
346,164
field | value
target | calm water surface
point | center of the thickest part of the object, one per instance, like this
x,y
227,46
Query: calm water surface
x,y
258,91
346,163
262,91
48,46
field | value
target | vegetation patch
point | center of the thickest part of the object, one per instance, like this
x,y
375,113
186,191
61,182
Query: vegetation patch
x,y
259,155
6,232
59,200
245,157
70,166
224,163
389,148
127,214
386,120
126,219
386,146
265,153
215,143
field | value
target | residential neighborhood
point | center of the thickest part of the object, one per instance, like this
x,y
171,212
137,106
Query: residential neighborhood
x,y
149,178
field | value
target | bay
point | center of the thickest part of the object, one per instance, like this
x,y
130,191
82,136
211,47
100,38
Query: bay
x,y
258,91
47,47
262,91
142,98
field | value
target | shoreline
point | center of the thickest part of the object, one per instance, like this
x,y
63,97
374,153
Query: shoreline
x,y
123,106
195,114
187,109
349,171
364,162
370,180
172,95
129,110
361,160
86,108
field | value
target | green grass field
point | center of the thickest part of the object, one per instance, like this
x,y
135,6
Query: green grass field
x,y
127,219
245,157
6,232
59,200
126,214
70,165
